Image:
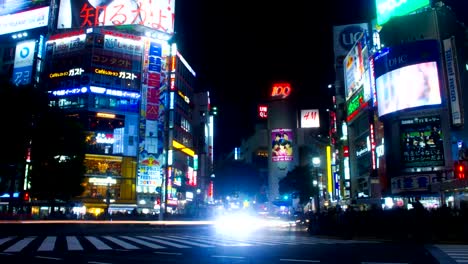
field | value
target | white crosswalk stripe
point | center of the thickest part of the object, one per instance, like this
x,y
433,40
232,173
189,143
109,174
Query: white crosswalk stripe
x,y
142,242
459,253
98,243
121,243
48,244
73,243
14,244
20,245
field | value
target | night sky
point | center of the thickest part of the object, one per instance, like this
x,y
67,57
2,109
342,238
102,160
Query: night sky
x,y
240,48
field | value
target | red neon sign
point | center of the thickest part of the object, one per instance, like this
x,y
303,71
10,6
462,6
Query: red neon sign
x,y
263,111
281,90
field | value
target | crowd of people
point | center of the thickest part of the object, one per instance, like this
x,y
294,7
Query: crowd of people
x,y
417,224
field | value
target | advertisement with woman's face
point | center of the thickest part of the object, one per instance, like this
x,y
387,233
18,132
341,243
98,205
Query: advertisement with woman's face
x,y
407,87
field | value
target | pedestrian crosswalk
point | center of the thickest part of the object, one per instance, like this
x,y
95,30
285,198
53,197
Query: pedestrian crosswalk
x,y
19,244
457,253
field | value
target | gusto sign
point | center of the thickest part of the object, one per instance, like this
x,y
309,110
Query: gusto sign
x,y
281,90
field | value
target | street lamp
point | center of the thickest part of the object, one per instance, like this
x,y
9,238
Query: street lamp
x,y
316,164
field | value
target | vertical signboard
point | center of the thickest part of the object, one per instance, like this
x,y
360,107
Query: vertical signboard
x,y
152,113
24,60
453,81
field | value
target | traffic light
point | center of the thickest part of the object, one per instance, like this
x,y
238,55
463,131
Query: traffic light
x,y
25,196
214,111
459,170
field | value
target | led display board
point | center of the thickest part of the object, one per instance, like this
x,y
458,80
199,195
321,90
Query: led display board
x,y
407,76
281,145
385,9
114,60
155,14
35,18
355,104
422,142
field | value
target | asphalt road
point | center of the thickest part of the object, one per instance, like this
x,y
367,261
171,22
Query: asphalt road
x,y
138,244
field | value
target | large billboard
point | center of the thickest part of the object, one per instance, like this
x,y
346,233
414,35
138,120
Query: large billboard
x,y
344,38
8,7
387,9
281,145
14,22
407,76
422,142
155,14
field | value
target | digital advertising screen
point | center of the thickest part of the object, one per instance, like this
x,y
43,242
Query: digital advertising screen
x,y
386,9
407,76
155,14
281,145
422,142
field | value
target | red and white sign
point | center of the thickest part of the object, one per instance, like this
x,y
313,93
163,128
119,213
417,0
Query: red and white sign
x,y
263,111
155,14
310,118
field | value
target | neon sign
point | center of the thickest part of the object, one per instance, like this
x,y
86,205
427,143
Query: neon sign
x,y
102,138
71,72
281,90
97,90
263,111
121,75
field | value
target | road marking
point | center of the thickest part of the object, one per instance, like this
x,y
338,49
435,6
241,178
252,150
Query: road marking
x,y
6,239
384,263
231,257
48,244
42,257
142,242
121,243
164,242
213,241
187,242
73,243
98,243
167,253
301,260
20,245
